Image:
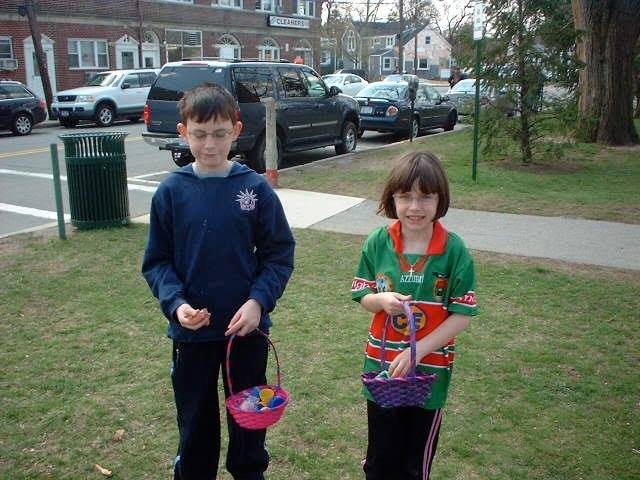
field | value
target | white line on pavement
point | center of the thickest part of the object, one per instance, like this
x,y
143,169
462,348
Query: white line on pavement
x,y
34,212
155,174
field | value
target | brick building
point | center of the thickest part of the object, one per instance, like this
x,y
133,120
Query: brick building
x,y
81,37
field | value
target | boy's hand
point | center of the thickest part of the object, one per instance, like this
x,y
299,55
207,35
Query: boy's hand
x,y
246,319
401,365
191,318
391,302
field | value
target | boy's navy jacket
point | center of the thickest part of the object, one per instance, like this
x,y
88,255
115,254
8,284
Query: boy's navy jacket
x,y
215,242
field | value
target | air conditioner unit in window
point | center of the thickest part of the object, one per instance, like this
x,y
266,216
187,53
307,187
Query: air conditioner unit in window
x,y
8,63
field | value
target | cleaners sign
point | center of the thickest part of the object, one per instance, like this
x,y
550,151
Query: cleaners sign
x,y
288,22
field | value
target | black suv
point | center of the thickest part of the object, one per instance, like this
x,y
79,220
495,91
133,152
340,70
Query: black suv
x,y
309,115
20,108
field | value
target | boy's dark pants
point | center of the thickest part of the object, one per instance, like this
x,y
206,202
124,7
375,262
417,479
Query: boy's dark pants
x,y
195,384
402,442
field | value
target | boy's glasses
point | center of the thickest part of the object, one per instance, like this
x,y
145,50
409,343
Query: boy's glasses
x,y
408,199
220,134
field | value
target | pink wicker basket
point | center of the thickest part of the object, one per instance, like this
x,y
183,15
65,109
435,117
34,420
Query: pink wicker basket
x,y
255,420
410,391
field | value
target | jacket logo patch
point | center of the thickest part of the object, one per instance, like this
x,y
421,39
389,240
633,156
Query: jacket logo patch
x,y
247,199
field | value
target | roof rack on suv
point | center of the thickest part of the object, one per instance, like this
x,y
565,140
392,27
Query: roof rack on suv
x,y
235,60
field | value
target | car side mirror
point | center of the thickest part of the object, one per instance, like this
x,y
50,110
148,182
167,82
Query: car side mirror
x,y
333,91
125,86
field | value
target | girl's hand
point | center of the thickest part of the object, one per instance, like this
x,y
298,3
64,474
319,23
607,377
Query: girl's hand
x,y
191,318
246,319
401,365
391,302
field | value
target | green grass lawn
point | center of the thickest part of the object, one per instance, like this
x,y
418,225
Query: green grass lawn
x,y
546,383
590,181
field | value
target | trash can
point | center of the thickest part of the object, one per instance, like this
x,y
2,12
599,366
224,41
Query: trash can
x,y
97,179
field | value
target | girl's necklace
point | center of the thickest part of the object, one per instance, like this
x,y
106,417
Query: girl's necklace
x,y
416,266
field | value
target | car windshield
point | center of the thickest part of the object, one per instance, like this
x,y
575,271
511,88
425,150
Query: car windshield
x,y
332,79
464,86
103,80
388,91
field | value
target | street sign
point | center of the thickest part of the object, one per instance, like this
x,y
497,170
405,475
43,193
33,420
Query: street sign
x,y
478,20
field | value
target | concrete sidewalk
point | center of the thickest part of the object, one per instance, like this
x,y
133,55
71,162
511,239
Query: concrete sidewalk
x,y
573,240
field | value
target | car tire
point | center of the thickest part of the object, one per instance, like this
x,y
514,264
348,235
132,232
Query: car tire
x,y
255,157
104,115
414,129
349,137
452,119
22,124
68,123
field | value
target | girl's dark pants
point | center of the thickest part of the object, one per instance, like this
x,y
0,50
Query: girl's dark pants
x,y
402,442
196,367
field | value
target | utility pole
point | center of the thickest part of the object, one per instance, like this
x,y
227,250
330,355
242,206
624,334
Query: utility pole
x,y
140,34
29,9
400,36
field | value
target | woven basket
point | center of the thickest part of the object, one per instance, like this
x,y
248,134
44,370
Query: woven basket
x,y
410,391
255,420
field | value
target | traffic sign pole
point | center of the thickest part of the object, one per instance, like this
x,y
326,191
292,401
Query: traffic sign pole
x,y
478,33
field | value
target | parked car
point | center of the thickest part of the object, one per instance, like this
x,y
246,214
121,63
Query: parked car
x,y
20,108
400,77
106,96
348,83
463,94
385,107
355,71
308,113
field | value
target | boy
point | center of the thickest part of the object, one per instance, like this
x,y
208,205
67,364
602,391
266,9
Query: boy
x,y
219,255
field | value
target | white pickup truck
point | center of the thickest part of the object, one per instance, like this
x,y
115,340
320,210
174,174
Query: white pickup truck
x,y
106,96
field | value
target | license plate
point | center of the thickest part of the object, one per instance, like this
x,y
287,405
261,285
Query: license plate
x,y
64,113
366,110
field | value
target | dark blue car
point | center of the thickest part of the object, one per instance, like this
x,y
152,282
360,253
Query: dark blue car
x,y
385,107
20,108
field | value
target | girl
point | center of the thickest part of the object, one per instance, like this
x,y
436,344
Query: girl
x,y
415,259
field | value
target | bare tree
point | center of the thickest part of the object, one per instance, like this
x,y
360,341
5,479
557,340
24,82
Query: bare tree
x,y
609,31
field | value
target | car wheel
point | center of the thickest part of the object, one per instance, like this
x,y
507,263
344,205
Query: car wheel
x,y
255,157
349,138
22,124
415,127
452,118
133,119
104,115
68,123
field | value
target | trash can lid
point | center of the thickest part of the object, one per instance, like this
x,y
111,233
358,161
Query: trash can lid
x,y
69,136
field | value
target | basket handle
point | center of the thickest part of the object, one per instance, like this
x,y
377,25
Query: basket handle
x,y
412,338
228,359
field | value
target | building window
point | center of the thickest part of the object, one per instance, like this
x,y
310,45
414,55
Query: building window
x,y
228,3
183,44
390,41
180,1
307,8
427,40
389,63
268,5
351,41
228,47
325,57
87,53
423,64
6,48
304,50
269,50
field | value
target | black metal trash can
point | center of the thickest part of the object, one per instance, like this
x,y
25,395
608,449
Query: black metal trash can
x,y
97,179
